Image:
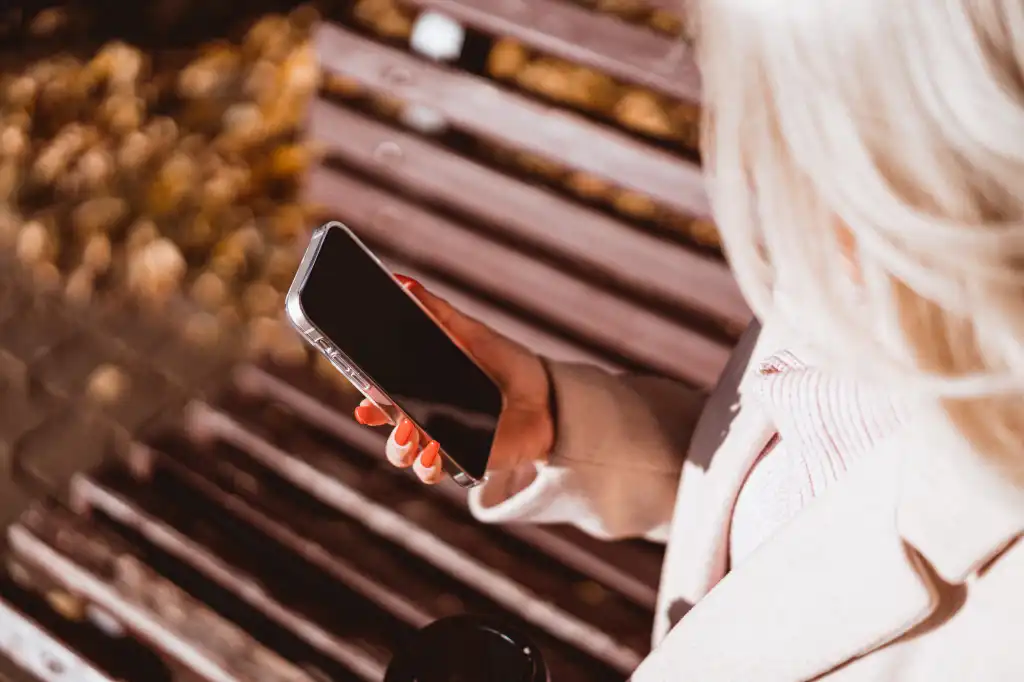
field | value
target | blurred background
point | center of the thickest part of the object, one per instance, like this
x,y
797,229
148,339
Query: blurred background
x,y
183,493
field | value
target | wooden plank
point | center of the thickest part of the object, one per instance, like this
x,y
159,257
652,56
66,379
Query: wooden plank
x,y
41,653
626,255
627,566
155,621
560,29
608,319
678,7
418,540
277,522
482,108
622,566
89,493
11,672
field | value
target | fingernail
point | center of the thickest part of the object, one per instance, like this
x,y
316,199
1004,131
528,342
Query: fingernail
x,y
429,455
363,414
403,434
407,282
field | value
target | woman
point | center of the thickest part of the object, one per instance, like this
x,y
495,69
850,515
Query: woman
x,y
862,518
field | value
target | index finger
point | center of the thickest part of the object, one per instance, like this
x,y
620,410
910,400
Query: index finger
x,y
369,414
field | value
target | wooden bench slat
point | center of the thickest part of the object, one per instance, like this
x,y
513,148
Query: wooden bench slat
x,y
560,29
480,107
624,254
677,7
535,339
609,320
633,567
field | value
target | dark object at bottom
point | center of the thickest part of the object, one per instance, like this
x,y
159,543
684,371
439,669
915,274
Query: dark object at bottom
x,y
468,649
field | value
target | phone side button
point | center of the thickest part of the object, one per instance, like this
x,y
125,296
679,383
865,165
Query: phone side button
x,y
354,376
360,380
340,364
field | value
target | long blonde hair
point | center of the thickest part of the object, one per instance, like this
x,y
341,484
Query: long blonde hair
x,y
866,168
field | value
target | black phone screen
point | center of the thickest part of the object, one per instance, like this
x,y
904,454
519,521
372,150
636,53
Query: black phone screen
x,y
364,313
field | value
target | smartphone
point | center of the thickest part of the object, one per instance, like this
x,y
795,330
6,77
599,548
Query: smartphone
x,y
350,307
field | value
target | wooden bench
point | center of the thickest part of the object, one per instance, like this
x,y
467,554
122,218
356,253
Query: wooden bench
x,y
284,491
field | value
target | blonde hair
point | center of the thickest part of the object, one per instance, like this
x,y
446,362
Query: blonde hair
x,y
866,167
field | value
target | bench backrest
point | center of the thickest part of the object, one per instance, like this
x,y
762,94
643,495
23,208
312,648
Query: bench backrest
x,y
568,277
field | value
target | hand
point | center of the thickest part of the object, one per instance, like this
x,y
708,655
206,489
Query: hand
x,y
525,428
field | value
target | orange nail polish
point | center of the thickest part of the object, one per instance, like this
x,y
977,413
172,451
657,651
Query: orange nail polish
x,y
429,455
363,414
407,282
403,433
